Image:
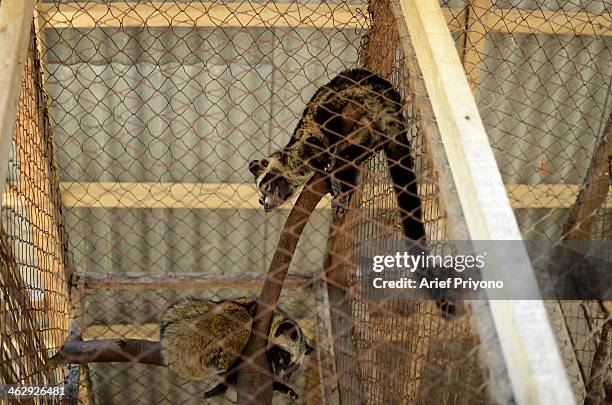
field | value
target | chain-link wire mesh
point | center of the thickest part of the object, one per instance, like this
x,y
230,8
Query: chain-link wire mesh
x,y
541,73
34,286
157,108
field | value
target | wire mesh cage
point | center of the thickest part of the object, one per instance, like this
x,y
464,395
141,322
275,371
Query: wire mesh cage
x,y
35,295
129,190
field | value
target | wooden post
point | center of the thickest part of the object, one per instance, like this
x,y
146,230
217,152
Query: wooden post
x,y
75,331
381,40
15,27
535,368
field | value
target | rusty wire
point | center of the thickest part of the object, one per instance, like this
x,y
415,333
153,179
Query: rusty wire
x,y
154,120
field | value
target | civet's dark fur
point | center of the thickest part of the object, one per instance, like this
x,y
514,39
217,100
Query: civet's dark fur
x,y
203,339
345,122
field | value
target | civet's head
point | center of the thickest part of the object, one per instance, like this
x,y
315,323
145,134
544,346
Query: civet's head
x,y
272,186
287,346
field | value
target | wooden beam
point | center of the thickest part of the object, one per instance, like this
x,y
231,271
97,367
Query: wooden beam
x,y
536,371
210,14
191,281
539,21
15,27
205,14
315,15
547,195
164,195
453,225
244,196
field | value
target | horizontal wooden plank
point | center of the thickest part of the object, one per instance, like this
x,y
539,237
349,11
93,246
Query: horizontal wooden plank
x,y
164,195
205,14
182,281
244,196
548,22
218,196
546,195
209,14
315,15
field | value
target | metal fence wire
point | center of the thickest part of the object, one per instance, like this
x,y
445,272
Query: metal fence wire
x,y
129,188
34,283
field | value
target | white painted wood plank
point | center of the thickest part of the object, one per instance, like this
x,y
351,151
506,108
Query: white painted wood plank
x,y
536,371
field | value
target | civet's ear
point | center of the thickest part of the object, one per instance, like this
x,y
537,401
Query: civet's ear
x,y
257,166
254,167
287,329
309,349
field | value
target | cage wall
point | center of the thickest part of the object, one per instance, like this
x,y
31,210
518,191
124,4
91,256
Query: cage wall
x,y
34,289
156,110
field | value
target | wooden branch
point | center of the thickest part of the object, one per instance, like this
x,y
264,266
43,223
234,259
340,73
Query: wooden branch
x,y
594,191
254,380
75,350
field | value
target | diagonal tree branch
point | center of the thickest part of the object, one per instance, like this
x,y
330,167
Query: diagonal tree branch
x,y
254,378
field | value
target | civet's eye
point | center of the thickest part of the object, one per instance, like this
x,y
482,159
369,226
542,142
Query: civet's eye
x,y
285,356
264,163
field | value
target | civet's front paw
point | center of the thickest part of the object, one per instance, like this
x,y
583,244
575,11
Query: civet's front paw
x,y
340,199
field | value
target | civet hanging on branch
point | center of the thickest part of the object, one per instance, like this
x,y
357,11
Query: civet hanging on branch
x,y
345,122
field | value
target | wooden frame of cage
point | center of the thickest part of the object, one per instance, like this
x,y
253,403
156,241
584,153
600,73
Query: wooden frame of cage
x,y
15,25
460,130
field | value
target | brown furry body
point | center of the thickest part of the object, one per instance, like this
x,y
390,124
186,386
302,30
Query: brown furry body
x,y
202,339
